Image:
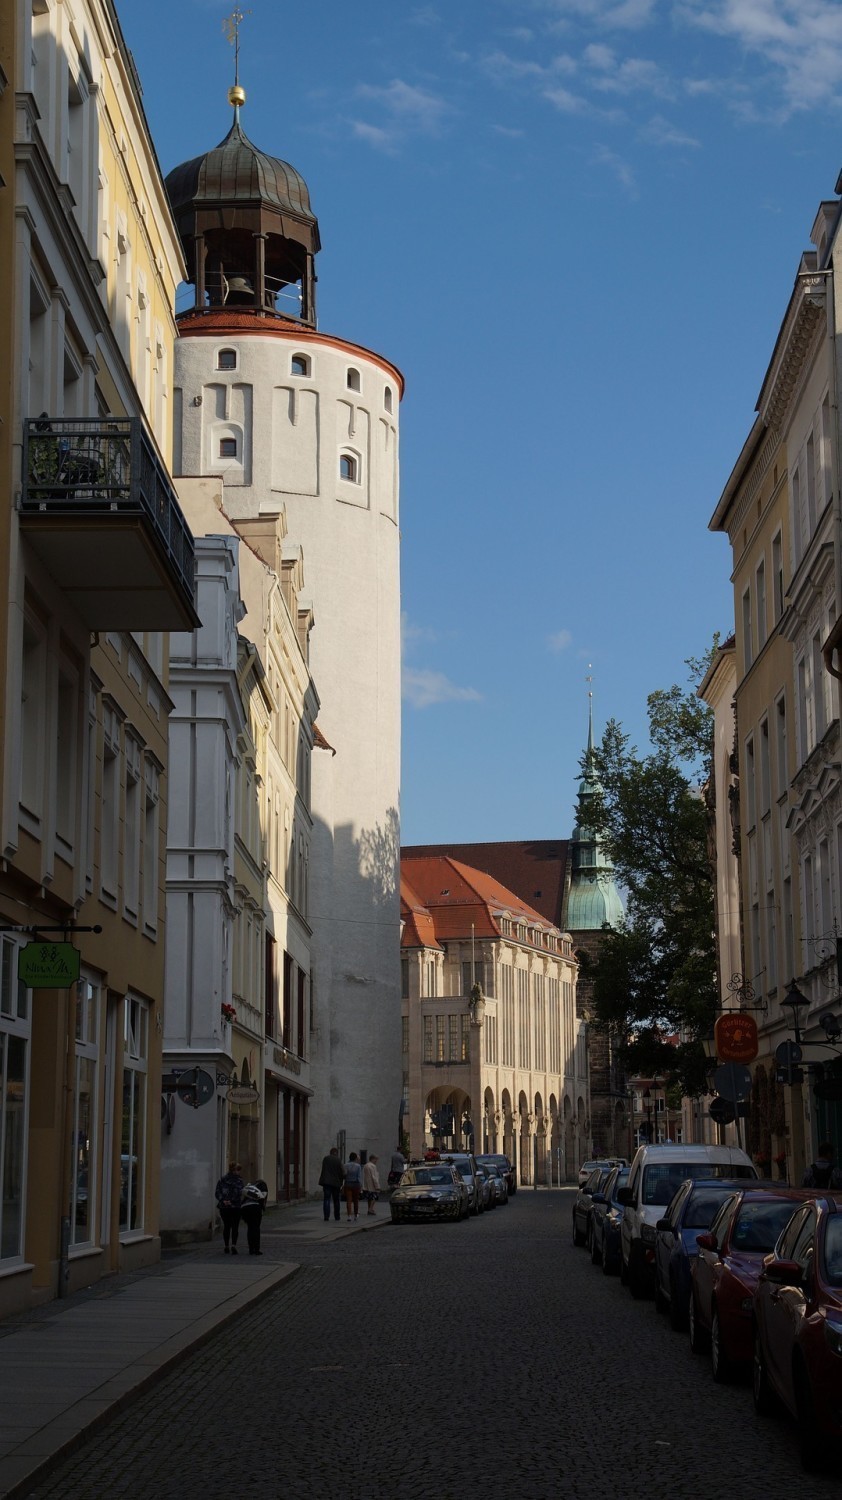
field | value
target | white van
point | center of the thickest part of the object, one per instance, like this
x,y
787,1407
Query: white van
x,y
656,1174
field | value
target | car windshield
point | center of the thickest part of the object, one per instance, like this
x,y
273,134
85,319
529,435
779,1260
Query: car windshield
x,y
758,1226
620,1180
702,1207
496,1161
833,1250
427,1176
661,1180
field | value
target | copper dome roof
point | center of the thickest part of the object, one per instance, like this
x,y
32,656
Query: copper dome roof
x,y
236,172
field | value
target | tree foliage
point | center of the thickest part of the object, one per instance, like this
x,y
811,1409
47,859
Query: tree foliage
x,y
656,975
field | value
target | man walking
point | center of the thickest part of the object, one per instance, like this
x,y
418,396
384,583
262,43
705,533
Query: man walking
x,y
331,1178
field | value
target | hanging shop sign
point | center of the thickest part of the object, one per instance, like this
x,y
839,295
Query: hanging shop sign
x,y
48,966
243,1093
735,1035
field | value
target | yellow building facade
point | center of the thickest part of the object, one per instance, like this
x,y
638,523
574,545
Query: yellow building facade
x,y
96,566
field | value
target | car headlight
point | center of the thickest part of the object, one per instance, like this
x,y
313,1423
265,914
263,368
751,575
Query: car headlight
x,y
833,1334
647,1234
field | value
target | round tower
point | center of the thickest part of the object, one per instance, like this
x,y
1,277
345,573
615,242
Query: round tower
x,y
303,422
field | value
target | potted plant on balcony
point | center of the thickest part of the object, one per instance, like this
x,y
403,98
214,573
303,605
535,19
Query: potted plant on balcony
x,y
229,1013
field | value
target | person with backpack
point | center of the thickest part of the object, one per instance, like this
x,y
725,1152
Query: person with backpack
x,y
823,1172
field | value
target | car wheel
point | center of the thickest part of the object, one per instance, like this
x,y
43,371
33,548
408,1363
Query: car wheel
x,y
578,1237
765,1402
698,1334
810,1441
722,1367
678,1310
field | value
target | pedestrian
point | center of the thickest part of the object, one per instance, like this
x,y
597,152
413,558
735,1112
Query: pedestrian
x,y
251,1211
331,1178
353,1186
229,1197
397,1168
823,1172
371,1183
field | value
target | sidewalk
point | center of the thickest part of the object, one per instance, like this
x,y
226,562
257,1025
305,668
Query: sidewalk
x,y
65,1367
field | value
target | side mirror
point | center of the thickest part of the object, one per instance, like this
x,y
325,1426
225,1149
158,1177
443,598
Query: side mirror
x,y
598,1198
783,1272
706,1241
626,1197
664,1225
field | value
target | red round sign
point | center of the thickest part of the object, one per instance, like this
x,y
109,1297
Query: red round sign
x,y
735,1035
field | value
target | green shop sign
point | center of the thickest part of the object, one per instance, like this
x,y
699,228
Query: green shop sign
x,y
48,966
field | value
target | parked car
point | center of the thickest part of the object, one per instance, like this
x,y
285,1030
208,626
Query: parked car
x,y
656,1174
798,1327
429,1190
582,1204
497,1159
730,1258
486,1189
606,1217
465,1164
499,1181
599,1161
691,1213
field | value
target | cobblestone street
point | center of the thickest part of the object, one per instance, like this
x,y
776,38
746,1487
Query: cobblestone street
x,y
449,1361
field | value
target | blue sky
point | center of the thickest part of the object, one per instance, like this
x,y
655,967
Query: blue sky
x,y
574,225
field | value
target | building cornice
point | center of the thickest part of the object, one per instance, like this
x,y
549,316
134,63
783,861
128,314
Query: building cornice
x,y
805,316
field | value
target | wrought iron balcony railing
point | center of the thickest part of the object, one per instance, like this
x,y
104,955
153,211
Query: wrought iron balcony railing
x,y
105,466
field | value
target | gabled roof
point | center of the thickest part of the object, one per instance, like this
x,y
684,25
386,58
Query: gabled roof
x,y
444,899
533,870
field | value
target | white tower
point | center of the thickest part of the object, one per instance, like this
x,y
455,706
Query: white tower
x,y
301,421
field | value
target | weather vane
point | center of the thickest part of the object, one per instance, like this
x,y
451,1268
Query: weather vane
x,y
231,26
589,679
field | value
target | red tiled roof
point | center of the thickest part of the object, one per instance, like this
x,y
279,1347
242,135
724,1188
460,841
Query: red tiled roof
x,y
534,869
230,321
459,901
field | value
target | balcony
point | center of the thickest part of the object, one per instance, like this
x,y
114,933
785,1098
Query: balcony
x,y
99,509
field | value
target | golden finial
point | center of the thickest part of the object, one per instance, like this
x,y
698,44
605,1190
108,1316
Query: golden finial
x,y
231,27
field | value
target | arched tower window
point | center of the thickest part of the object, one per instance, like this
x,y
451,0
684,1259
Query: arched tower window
x,y
387,398
349,468
353,380
299,365
226,359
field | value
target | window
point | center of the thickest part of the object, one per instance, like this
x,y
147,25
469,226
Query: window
x,y
453,1030
748,646
760,581
14,1044
819,681
228,447
131,828
110,806
226,359
83,1173
299,365
780,746
466,1039
440,1055
133,1142
750,812
404,978
33,691
428,1039
765,781
151,852
353,380
803,723
387,398
348,468
777,577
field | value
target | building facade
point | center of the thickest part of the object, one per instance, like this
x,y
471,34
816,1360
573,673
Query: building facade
x,y
494,1053
96,565
303,423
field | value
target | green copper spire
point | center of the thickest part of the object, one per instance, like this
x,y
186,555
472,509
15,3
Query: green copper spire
x,y
593,898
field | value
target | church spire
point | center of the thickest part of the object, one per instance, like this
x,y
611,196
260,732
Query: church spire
x,y
593,899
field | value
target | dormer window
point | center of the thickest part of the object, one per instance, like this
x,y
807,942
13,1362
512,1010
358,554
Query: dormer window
x,y
228,447
299,365
226,359
349,468
353,380
387,398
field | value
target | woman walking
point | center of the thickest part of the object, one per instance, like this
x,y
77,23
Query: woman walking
x,y
353,1186
371,1183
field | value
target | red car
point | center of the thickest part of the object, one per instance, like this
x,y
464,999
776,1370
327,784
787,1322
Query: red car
x,y
726,1270
798,1327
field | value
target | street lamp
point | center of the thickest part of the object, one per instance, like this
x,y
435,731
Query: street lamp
x,y
799,1005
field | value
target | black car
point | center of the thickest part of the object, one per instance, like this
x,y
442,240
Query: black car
x,y
497,1159
582,1204
606,1217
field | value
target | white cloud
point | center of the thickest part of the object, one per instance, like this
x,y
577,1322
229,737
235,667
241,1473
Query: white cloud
x,y
634,75
423,688
659,132
560,640
627,15
604,157
414,108
569,104
509,131
382,140
802,39
503,68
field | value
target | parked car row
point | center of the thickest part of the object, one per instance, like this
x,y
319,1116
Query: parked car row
x,y
752,1269
450,1185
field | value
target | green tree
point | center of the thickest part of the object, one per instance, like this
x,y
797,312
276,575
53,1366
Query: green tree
x,y
656,974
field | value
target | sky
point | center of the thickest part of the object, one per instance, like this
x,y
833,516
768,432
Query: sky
x,y
574,225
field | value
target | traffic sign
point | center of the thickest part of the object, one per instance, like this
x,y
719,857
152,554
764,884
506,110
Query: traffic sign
x,y
732,1081
48,966
196,1089
721,1111
735,1035
788,1055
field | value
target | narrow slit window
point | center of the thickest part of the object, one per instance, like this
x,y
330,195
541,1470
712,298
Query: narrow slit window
x,y
348,468
226,359
387,398
353,380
